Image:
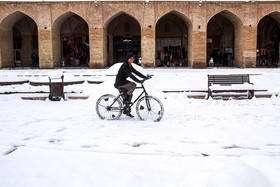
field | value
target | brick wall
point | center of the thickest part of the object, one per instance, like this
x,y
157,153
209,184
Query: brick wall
x,y
49,16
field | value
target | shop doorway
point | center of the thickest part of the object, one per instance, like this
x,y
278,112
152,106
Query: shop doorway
x,y
19,40
268,47
171,41
71,41
74,34
220,41
123,35
17,53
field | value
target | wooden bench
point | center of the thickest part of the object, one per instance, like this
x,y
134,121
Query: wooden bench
x,y
237,85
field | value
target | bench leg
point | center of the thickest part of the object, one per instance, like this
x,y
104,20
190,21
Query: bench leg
x,y
251,94
209,94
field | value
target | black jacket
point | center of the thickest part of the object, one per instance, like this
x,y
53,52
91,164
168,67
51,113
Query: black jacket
x,y
126,71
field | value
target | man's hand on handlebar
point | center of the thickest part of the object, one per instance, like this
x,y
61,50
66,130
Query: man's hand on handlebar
x,y
146,78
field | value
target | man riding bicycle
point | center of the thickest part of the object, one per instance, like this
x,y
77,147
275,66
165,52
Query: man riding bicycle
x,y
126,70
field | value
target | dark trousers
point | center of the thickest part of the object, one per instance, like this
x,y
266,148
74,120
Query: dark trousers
x,y
130,87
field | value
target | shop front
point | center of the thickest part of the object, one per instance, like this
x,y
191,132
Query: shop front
x,y
220,42
170,52
19,40
123,35
123,45
268,48
171,41
75,51
75,41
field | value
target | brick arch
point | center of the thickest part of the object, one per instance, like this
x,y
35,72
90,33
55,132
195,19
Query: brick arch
x,y
275,15
26,27
60,19
177,13
56,29
238,34
236,21
116,32
15,16
110,19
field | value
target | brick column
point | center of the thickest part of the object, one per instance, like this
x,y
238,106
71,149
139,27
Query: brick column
x,y
248,41
148,36
45,37
198,45
98,52
7,53
148,47
56,46
249,46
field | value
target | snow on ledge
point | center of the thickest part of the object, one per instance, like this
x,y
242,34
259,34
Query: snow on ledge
x,y
55,74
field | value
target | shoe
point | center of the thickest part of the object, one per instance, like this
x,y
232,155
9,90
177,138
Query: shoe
x,y
130,115
126,110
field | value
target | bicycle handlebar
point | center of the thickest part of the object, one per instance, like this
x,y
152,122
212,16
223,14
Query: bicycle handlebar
x,y
146,78
143,80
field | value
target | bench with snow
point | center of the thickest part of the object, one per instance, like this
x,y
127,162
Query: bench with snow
x,y
230,86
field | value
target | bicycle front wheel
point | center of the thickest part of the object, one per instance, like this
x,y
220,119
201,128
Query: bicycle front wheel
x,y
149,108
109,107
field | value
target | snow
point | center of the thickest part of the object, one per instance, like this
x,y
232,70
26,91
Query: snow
x,y
244,86
147,1
198,143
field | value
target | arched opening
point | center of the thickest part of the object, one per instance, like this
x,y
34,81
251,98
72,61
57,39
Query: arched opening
x,y
268,47
123,35
224,44
70,41
172,40
19,41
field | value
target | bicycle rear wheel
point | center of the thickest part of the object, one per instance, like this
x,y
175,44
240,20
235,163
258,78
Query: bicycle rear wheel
x,y
109,107
149,108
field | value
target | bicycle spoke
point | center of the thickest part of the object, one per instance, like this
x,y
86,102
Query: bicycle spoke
x,y
149,108
102,106
108,107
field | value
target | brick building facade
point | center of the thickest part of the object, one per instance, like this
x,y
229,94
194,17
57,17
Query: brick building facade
x,y
99,33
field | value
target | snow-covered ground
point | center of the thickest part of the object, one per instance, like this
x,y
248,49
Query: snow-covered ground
x,y
198,143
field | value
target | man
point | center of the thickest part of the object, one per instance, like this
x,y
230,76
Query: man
x,y
126,70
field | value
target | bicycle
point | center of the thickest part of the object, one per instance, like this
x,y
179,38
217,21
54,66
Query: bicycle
x,y
148,107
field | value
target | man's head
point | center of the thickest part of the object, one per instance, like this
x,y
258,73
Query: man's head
x,y
130,58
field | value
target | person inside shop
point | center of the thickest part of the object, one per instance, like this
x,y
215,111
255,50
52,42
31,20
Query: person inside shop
x,y
127,71
35,59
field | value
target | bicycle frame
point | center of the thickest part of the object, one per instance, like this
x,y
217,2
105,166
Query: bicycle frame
x,y
144,92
